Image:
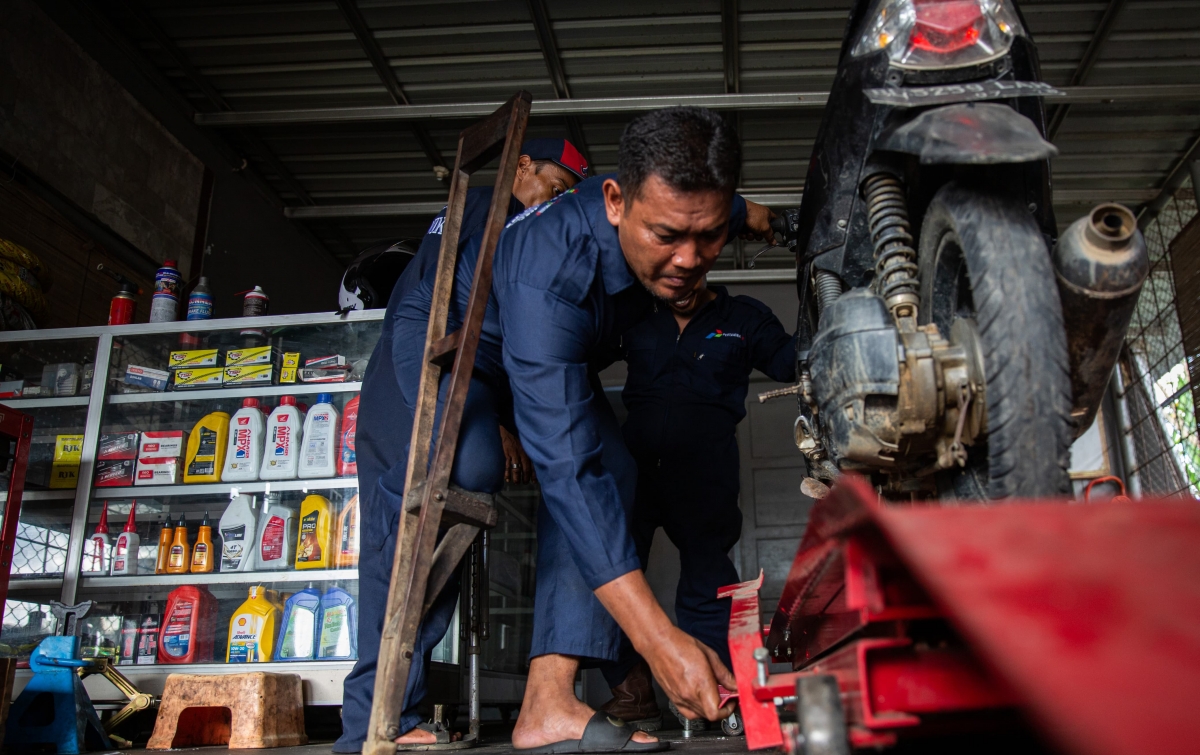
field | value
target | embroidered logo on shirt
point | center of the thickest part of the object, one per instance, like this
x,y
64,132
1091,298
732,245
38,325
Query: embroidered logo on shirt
x,y
436,226
537,209
721,334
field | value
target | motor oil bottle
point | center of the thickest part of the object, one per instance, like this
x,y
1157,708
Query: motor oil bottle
x,y
298,639
200,301
276,535
188,626
246,434
314,547
165,537
202,551
338,621
96,550
346,556
125,553
239,533
252,629
179,555
347,458
206,449
128,647
284,434
319,453
147,652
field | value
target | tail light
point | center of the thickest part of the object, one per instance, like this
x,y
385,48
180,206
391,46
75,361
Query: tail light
x,y
925,34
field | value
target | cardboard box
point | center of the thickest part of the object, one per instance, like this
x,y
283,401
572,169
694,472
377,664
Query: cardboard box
x,y
89,373
253,355
159,471
335,360
198,377
162,444
197,358
64,475
114,473
287,375
257,374
147,377
68,448
291,359
61,379
11,388
118,446
319,375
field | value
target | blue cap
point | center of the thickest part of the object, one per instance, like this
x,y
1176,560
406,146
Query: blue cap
x,y
559,151
324,398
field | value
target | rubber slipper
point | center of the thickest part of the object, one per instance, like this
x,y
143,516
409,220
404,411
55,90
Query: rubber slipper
x,y
602,734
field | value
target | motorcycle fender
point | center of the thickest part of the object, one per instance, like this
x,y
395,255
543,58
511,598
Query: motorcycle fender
x,y
971,133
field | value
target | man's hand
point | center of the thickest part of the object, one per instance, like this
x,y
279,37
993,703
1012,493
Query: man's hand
x,y
688,670
758,223
517,466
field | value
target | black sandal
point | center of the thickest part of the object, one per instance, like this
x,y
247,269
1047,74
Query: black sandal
x,y
603,734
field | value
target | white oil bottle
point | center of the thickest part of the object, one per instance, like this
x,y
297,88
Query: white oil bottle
x,y
277,530
239,535
247,431
284,434
318,457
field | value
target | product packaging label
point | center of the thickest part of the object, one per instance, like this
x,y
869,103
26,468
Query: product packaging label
x,y
348,542
199,555
281,440
335,633
243,641
129,644
272,542
175,559
197,358
316,451
68,447
147,654
118,446
310,548
205,460
242,437
177,635
297,637
233,547
114,472
253,355
199,377
260,374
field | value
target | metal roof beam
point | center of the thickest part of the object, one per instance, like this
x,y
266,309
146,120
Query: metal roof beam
x,y
379,61
1108,95
1090,55
1175,177
730,46
558,75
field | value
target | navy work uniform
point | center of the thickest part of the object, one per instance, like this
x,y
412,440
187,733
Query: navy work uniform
x,y
685,394
561,290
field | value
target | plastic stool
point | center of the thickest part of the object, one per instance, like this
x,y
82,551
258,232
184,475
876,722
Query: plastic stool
x,y
242,711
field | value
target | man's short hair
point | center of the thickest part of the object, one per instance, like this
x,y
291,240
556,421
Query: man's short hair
x,y
690,148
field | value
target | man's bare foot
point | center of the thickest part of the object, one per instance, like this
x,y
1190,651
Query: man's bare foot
x,y
422,737
551,712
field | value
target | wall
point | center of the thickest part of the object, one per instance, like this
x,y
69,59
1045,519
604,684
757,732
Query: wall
x,y
70,123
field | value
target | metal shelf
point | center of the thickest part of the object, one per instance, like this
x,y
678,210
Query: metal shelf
x,y
218,578
27,496
225,488
295,389
38,584
44,402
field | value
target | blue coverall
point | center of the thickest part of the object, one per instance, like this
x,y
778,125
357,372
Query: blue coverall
x,y
561,291
685,394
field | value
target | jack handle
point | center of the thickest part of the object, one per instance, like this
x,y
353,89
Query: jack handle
x,y
1118,498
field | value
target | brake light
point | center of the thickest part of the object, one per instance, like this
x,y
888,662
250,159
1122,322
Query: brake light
x,y
930,34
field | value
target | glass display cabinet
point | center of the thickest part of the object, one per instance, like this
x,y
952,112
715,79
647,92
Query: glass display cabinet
x,y
210,573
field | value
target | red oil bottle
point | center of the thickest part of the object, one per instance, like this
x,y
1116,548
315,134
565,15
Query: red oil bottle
x,y
188,626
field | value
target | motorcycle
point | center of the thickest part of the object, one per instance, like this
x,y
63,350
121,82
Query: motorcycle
x,y
932,350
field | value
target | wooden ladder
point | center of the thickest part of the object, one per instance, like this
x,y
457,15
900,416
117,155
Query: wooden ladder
x,y
422,565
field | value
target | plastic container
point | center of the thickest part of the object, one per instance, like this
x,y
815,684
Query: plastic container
x,y
188,626
200,301
298,638
147,652
247,433
125,553
203,559
252,629
128,647
165,536
284,435
347,458
179,555
314,546
255,303
239,533
347,536
338,621
96,549
276,543
322,438
206,449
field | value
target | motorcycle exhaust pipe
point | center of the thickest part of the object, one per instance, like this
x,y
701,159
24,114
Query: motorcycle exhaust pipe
x,y
1101,264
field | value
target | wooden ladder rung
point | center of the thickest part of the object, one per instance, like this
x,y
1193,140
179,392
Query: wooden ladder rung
x,y
461,506
443,350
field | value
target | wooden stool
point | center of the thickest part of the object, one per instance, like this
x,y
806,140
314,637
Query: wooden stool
x,y
243,711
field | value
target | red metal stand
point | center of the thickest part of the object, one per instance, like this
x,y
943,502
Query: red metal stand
x,y
16,426
1084,617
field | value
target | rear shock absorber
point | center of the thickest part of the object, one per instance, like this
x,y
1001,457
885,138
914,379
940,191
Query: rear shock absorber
x,y
895,258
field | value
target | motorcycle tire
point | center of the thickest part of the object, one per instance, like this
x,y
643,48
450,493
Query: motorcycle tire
x,y
983,257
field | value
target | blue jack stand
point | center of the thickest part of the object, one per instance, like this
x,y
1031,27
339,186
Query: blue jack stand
x,y
54,709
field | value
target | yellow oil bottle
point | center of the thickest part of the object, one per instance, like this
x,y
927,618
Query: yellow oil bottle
x,y
314,547
202,551
206,449
179,556
252,629
347,536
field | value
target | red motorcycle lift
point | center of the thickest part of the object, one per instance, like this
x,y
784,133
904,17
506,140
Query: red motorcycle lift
x,y
904,620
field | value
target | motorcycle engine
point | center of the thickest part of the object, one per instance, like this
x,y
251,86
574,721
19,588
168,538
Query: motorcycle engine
x,y
891,398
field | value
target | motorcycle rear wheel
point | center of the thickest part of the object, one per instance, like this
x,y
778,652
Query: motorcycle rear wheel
x,y
983,257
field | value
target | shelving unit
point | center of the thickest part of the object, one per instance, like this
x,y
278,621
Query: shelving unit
x,y
196,394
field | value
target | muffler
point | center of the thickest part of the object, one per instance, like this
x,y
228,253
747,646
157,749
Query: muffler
x,y
1101,264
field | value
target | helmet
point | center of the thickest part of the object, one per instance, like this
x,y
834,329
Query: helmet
x,y
372,275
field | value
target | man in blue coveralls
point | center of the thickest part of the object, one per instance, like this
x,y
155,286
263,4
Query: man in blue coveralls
x,y
689,372
569,276
546,168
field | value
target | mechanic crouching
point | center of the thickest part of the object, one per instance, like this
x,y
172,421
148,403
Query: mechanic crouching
x,y
689,371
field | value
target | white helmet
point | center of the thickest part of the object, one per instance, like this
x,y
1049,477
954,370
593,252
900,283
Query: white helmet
x,y
370,278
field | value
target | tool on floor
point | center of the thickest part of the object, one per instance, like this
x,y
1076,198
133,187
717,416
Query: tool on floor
x,y
138,700
423,565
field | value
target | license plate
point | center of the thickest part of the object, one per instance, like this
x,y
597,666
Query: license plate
x,y
944,94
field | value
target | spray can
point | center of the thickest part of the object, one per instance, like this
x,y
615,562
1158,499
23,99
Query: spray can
x,y
124,304
200,301
255,303
164,307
